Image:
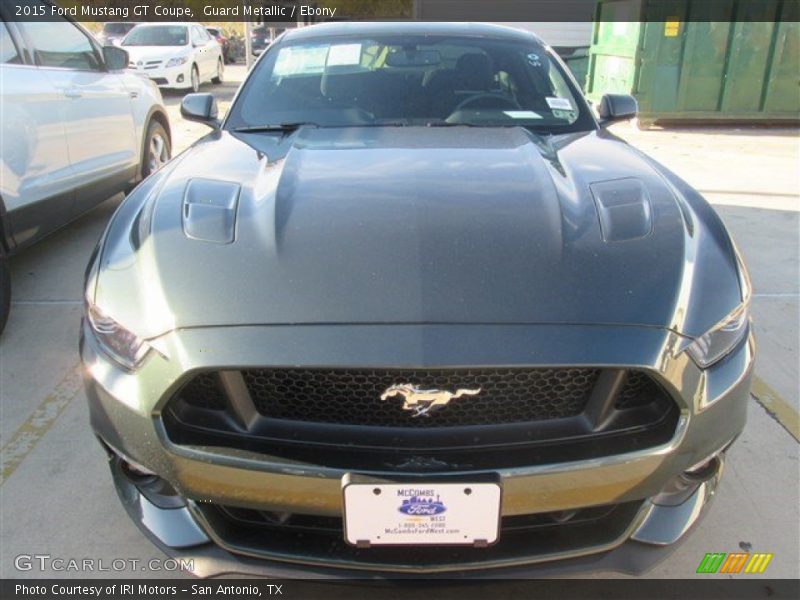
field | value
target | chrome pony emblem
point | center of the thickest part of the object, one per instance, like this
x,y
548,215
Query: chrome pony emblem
x,y
424,402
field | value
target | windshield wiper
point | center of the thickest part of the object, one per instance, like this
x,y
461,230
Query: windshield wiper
x,y
382,124
448,124
374,124
281,127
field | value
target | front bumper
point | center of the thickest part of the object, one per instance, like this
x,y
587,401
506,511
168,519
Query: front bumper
x,y
179,536
125,411
177,78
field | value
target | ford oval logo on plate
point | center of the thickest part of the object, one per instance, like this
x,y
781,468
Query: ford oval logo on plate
x,y
419,506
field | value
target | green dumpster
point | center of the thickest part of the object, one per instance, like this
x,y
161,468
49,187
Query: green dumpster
x,y
733,60
577,59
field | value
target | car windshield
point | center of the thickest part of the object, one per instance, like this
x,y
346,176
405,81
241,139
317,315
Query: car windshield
x,y
117,28
411,80
157,35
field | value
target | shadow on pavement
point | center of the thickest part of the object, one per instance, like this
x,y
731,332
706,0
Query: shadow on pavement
x,y
223,92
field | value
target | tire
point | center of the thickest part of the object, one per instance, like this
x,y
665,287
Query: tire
x,y
157,149
220,73
195,79
5,290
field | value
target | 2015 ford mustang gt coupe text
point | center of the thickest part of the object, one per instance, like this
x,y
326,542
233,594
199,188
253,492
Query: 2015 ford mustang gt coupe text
x,y
411,309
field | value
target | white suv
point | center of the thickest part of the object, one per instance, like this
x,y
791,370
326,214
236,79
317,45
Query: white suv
x,y
179,56
76,127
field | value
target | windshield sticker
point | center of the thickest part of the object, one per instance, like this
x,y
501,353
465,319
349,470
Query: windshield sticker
x,y
534,60
344,54
522,114
300,60
559,103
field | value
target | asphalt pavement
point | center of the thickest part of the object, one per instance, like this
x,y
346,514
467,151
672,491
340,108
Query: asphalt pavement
x,y
56,495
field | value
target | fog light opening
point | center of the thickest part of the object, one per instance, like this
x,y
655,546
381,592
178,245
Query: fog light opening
x,y
180,78
135,472
685,484
156,489
131,468
705,470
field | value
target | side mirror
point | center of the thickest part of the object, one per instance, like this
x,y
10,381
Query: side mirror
x,y
115,58
201,108
617,107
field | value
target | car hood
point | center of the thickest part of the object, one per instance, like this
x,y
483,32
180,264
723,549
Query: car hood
x,y
405,225
136,53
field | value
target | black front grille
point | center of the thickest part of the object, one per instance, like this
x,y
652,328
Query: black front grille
x,y
639,390
336,418
286,521
320,540
205,391
353,396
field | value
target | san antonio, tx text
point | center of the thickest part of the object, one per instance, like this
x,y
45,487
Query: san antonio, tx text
x,y
144,590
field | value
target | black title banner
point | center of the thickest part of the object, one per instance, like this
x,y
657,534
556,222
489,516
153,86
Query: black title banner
x,y
442,589
311,11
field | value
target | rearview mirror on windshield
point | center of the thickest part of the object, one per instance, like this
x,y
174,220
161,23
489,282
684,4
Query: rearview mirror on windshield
x,y
413,58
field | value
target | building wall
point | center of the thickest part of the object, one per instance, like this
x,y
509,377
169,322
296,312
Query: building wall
x,y
559,34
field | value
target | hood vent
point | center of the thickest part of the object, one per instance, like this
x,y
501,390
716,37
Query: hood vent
x,y
209,210
624,209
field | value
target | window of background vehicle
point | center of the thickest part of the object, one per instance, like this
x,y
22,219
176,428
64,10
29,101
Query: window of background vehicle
x,y
8,50
157,35
199,36
117,28
61,44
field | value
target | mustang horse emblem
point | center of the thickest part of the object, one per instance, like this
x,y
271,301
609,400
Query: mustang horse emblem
x,y
424,402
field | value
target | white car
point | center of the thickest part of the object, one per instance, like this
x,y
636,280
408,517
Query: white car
x,y
76,127
179,56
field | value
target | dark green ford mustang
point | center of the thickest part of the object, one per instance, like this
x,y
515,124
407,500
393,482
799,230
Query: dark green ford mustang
x,y
411,309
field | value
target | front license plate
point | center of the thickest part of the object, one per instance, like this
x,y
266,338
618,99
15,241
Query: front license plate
x,y
421,513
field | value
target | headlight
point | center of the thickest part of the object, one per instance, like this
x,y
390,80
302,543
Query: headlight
x,y
120,344
721,339
176,62
714,345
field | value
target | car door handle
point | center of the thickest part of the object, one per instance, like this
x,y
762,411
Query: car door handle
x,y
72,93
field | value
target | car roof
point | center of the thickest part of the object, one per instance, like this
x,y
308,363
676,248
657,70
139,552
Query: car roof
x,y
343,28
165,23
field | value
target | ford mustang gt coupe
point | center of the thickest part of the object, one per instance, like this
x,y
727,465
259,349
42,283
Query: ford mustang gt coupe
x,y
410,309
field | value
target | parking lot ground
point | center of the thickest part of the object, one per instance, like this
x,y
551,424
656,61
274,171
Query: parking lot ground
x,y
56,496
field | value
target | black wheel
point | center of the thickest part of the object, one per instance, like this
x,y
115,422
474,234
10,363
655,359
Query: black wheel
x,y
195,79
157,149
5,290
220,73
